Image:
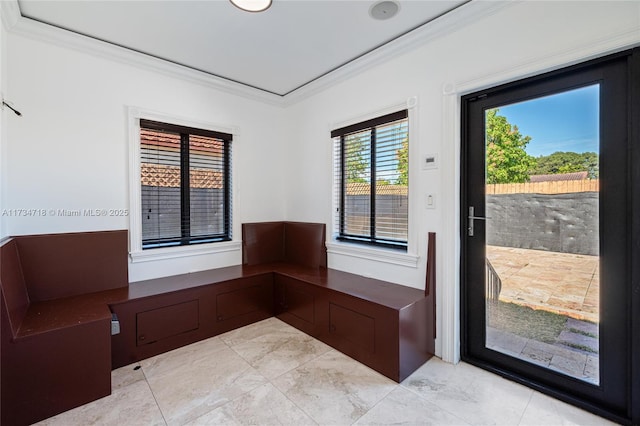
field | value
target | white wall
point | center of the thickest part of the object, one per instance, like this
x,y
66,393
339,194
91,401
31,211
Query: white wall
x,y
3,222
513,41
70,148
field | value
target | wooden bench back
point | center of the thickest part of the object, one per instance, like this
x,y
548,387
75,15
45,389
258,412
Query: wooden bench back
x,y
15,297
301,243
304,244
262,242
71,264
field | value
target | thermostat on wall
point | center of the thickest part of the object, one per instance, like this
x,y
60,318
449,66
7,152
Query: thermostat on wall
x,y
429,161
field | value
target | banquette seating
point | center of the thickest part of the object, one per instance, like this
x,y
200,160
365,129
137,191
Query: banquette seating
x,y
56,323
58,351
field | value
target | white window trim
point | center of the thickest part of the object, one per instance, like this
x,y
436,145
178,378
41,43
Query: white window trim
x,y
411,257
136,253
380,254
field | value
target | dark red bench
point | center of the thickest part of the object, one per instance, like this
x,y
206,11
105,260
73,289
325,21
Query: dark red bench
x,y
56,323
385,326
165,313
58,296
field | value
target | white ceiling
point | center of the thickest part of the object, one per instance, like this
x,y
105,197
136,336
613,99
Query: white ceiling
x,y
280,50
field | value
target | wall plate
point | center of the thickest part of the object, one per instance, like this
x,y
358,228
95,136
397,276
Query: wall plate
x,y
430,201
429,161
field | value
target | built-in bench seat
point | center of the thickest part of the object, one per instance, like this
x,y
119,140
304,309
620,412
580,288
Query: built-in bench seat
x,y
56,322
385,326
165,313
59,351
51,315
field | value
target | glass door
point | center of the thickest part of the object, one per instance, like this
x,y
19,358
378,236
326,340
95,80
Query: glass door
x,y
544,255
542,239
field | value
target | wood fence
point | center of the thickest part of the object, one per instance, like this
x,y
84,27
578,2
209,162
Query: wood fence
x,y
552,187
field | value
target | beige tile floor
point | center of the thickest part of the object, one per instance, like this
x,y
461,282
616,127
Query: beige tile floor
x,y
563,283
269,373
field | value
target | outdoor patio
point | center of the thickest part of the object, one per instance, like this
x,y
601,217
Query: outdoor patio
x,y
560,283
563,283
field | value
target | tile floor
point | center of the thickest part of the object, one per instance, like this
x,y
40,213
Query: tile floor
x,y
269,373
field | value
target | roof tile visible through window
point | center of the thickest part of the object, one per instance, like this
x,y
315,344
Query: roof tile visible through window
x,y
169,176
363,188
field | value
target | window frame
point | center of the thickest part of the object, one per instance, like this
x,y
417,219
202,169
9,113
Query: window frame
x,y
136,252
369,125
186,238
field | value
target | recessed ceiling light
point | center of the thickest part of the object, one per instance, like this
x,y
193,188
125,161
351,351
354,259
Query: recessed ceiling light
x,y
252,5
382,10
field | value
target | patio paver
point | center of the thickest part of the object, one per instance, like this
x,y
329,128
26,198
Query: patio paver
x,y
574,363
563,283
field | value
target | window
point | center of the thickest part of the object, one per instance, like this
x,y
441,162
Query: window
x,y
185,185
371,166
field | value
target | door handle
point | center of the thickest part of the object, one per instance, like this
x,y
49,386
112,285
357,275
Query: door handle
x,y
472,217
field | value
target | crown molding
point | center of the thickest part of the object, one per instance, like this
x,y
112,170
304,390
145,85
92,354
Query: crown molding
x,y
10,12
461,16
618,41
15,23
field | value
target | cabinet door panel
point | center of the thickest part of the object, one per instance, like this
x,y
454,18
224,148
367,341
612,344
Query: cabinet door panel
x,y
240,302
300,303
352,326
168,321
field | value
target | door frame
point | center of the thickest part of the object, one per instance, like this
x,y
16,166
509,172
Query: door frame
x,y
632,411
634,227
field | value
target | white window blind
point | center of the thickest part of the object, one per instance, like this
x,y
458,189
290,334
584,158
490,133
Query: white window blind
x,y
371,166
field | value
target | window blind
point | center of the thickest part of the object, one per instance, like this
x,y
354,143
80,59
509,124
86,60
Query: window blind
x,y
185,185
371,178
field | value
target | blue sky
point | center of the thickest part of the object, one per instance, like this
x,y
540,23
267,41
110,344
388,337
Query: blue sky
x,y
566,121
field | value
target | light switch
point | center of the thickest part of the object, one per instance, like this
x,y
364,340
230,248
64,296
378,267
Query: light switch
x,y
430,201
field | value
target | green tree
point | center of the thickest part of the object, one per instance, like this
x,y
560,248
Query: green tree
x,y
567,162
402,155
591,162
356,163
507,160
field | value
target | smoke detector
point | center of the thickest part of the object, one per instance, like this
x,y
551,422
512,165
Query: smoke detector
x,y
385,9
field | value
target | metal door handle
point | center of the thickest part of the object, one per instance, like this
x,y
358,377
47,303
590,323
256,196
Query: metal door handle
x,y
472,217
